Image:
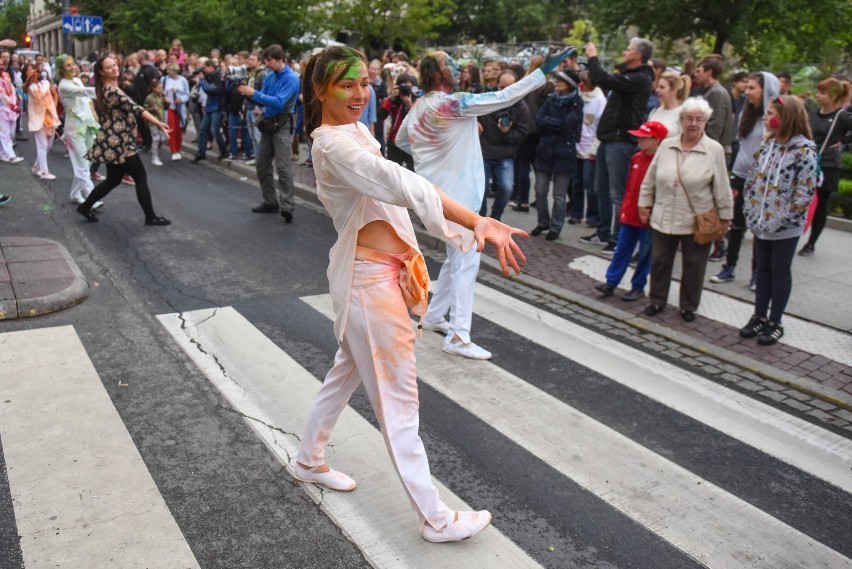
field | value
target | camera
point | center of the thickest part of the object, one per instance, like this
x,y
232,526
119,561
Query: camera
x,y
237,74
404,90
504,119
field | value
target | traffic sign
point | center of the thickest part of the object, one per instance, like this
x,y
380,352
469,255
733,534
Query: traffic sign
x,y
86,25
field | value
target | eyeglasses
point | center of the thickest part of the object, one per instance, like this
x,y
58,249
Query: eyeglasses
x,y
688,119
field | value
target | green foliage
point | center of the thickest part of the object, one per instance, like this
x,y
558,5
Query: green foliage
x,y
763,34
507,20
13,21
383,24
847,165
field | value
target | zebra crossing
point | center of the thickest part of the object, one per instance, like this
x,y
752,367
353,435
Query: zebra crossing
x,y
625,434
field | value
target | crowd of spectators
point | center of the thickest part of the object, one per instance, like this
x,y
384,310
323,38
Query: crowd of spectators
x,y
573,140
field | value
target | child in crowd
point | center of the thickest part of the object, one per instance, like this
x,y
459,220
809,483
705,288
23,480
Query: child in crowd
x,y
155,103
633,231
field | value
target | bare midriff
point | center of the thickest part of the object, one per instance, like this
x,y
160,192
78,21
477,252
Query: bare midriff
x,y
381,236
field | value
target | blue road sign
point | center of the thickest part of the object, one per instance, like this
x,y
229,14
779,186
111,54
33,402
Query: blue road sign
x,y
86,25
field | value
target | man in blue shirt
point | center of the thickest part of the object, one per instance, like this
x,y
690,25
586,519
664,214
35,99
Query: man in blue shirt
x,y
277,97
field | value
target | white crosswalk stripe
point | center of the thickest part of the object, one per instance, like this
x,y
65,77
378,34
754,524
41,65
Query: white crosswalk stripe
x,y
696,516
82,494
807,336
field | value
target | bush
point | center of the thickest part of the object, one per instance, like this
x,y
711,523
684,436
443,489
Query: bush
x,y
840,202
846,157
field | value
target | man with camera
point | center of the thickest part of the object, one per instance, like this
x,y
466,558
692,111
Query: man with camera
x,y
235,105
212,85
500,135
396,107
277,97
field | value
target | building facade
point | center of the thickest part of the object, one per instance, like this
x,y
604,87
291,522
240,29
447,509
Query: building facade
x,y
45,28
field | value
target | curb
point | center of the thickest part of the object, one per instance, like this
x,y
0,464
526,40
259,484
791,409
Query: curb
x,y
73,294
426,240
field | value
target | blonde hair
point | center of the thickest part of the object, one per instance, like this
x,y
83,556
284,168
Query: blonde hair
x,y
680,84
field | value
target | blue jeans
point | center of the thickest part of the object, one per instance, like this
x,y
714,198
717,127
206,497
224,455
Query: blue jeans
x,y
212,121
503,172
235,127
628,237
554,220
589,188
611,168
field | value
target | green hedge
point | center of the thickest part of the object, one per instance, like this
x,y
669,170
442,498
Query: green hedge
x,y
840,202
847,164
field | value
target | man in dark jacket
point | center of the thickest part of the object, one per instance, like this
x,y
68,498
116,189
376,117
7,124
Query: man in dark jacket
x,y
212,84
625,109
501,134
141,88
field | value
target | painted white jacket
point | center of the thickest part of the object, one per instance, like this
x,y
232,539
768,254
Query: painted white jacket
x,y
350,170
76,98
441,135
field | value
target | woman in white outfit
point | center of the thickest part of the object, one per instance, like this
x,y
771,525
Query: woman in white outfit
x,y
81,126
9,112
42,117
367,197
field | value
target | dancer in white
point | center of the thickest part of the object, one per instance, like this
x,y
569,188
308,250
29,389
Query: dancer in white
x,y
440,132
81,126
9,111
376,248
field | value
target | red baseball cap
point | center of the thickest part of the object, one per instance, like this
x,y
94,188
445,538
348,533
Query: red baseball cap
x,y
651,129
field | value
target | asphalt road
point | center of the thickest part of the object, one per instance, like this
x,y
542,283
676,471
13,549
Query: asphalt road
x,y
234,502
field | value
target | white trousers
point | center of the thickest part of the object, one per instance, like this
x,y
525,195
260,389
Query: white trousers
x,y
82,184
7,132
453,292
158,137
44,140
377,351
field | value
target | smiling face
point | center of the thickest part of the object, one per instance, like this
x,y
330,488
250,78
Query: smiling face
x,y
343,101
692,125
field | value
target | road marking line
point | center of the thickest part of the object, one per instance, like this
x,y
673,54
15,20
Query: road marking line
x,y
698,517
773,431
798,333
275,394
81,492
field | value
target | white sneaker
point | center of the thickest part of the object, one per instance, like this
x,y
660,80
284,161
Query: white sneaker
x,y
97,205
441,325
468,525
333,480
156,161
251,162
176,156
47,176
469,350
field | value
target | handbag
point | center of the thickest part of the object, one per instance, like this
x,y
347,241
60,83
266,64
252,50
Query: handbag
x,y
708,226
270,125
413,276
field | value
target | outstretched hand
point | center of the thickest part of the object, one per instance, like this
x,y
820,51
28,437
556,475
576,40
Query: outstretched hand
x,y
500,235
551,62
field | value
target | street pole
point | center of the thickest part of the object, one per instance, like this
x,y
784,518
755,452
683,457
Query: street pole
x,y
66,38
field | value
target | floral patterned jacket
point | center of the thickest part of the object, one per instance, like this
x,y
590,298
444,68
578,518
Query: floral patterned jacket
x,y
780,188
116,140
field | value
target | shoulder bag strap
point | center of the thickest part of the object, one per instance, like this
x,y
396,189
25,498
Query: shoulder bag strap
x,y
830,130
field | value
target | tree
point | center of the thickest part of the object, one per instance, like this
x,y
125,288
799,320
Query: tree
x,y
745,24
13,20
507,20
382,24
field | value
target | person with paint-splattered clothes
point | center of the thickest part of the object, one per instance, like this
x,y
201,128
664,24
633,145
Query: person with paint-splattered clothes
x,y
440,132
367,197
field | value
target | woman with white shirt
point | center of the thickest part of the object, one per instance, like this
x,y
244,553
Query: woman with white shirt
x,y
367,197
43,119
176,91
81,126
673,90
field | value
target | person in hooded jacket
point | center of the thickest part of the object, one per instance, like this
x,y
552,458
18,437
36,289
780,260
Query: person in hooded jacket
x,y
777,195
559,122
761,88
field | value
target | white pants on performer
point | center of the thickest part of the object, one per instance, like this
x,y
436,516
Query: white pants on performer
x,y
82,185
7,132
44,140
453,292
377,351
158,137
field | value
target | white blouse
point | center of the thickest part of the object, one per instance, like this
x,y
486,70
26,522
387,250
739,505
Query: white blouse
x,y
351,170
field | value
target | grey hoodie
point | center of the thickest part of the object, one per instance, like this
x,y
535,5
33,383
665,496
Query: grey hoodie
x,y
749,144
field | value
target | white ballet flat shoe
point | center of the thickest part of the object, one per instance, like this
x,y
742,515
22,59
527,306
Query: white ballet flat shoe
x,y
467,526
333,480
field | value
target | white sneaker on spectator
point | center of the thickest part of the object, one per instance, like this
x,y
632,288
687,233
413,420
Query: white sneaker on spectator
x,y
156,161
469,350
441,325
176,156
251,162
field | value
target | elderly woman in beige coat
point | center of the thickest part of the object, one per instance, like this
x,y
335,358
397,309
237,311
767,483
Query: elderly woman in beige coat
x,y
687,175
